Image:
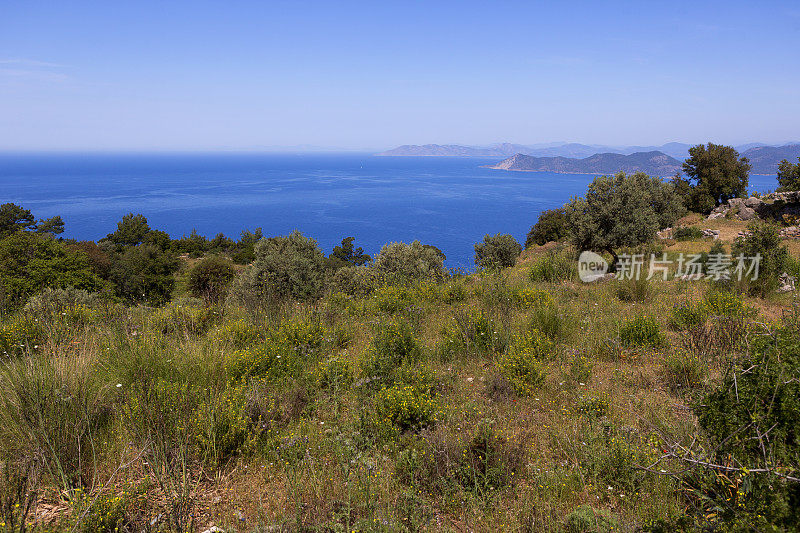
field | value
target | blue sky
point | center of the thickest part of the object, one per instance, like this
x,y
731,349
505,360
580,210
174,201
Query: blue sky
x,y
369,75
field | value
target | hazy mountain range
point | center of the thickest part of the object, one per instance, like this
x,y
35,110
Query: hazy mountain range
x,y
594,159
654,163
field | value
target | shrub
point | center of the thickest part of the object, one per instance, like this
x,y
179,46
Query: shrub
x,y
593,406
144,274
31,262
210,277
21,334
482,462
587,519
551,226
223,426
687,233
554,266
333,373
522,364
284,267
393,299
529,298
641,331
499,251
393,346
763,240
751,419
409,261
355,280
405,407
236,334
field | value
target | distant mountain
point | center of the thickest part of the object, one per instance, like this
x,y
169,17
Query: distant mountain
x,y
654,163
765,159
444,150
573,150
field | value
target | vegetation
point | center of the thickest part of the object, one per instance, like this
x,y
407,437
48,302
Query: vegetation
x,y
145,389
622,211
789,175
498,251
717,174
552,226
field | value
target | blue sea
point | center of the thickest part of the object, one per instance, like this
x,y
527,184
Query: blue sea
x,y
449,202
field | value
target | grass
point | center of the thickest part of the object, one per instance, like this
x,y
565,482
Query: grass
x,y
519,400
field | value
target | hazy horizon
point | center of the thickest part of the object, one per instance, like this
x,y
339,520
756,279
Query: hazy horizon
x,y
365,77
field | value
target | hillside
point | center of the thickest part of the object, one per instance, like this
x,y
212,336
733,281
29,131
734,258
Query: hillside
x,y
575,150
653,163
765,159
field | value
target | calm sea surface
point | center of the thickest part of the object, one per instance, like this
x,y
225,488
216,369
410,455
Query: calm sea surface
x,y
445,201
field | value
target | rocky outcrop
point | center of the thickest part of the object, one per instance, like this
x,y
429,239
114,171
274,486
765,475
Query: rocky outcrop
x,y
781,207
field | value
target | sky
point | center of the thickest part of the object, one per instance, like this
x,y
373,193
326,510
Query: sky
x,y
156,75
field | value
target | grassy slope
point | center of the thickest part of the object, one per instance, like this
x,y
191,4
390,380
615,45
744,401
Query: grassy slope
x,y
564,455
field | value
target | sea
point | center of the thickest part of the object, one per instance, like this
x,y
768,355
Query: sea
x,y
448,202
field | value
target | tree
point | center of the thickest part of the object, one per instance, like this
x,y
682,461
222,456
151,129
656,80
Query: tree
x,y
551,226
414,260
347,255
718,174
497,251
622,211
244,250
14,218
789,175
210,277
30,263
287,266
131,230
144,274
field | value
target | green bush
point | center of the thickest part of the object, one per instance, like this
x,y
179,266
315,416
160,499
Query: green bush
x,y
763,240
210,277
144,274
687,233
641,331
587,519
498,251
554,266
355,280
405,407
751,419
551,226
409,261
284,267
633,290
30,262
522,364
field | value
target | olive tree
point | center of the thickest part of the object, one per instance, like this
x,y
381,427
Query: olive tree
x,y
622,211
287,266
497,251
718,173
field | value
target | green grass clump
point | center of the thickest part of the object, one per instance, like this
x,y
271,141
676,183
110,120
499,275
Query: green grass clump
x,y
554,266
641,331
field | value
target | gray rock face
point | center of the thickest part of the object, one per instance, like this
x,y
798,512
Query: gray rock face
x,y
753,202
746,213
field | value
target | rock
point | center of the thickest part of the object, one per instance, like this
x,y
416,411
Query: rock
x,y
214,529
790,232
746,213
753,202
713,233
786,283
736,202
665,233
713,215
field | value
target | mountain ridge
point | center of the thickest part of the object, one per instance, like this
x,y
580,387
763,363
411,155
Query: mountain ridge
x,y
654,162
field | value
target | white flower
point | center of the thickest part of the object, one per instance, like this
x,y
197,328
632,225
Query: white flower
x,y
119,385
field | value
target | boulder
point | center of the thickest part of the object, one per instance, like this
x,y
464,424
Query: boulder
x,y
753,202
746,213
786,283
